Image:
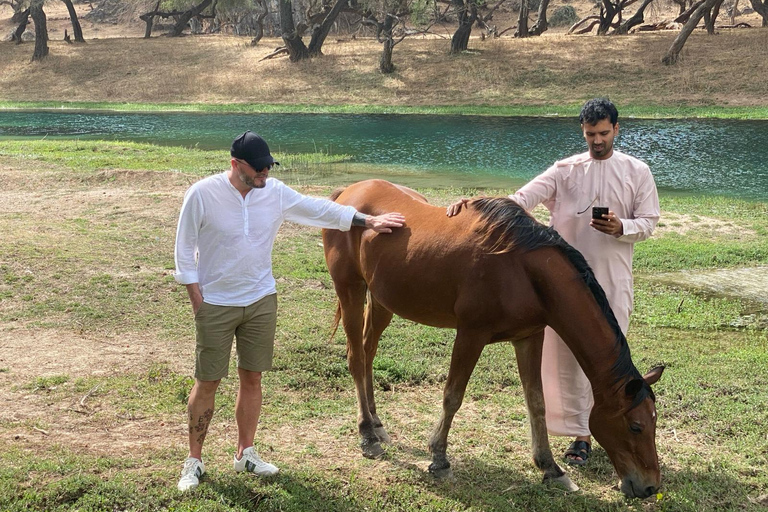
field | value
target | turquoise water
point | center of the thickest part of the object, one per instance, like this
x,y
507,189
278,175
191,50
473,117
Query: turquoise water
x,y
688,156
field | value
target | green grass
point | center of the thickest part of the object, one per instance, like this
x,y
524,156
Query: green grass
x,y
96,266
628,110
86,156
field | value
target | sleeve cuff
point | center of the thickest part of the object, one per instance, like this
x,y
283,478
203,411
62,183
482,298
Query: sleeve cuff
x,y
186,277
345,223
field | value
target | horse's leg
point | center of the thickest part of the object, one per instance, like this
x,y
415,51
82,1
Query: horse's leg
x,y
466,351
377,319
528,353
351,295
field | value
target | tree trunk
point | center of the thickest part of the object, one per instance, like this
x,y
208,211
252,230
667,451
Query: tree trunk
x,y
541,20
680,6
187,15
149,19
522,20
686,15
607,13
460,39
23,22
761,8
673,54
41,30
385,60
76,29
320,32
635,20
711,16
260,22
297,50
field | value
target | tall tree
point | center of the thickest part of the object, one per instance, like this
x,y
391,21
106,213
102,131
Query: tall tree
x,y
320,24
76,29
384,34
635,20
711,16
184,17
23,22
466,12
673,54
541,19
522,20
297,50
41,29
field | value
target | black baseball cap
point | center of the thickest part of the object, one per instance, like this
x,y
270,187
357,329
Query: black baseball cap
x,y
253,149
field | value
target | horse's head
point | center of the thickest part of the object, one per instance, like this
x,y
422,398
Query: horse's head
x,y
628,434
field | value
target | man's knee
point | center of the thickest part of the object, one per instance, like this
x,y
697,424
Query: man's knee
x,y
206,387
249,378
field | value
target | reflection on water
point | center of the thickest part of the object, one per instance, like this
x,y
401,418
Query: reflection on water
x,y
709,156
342,174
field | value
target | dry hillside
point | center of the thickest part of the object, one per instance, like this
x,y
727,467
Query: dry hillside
x,y
116,64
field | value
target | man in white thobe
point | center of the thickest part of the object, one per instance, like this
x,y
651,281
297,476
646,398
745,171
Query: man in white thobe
x,y
570,188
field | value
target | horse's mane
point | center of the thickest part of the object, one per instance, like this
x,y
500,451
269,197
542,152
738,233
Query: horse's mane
x,y
508,227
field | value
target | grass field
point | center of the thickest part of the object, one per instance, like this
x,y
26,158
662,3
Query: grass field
x,y
96,346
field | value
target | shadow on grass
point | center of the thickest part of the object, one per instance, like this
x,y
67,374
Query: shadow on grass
x,y
480,485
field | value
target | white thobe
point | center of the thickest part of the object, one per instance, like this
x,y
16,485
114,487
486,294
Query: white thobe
x,y
625,185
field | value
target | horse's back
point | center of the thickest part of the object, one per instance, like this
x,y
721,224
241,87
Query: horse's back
x,y
422,271
375,197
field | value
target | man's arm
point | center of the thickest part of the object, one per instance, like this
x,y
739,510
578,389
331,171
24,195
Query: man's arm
x,y
195,296
185,249
324,213
541,189
379,223
646,212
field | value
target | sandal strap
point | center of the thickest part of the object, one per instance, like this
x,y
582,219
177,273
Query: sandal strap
x,y
578,448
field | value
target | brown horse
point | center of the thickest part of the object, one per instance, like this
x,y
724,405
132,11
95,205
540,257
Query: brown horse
x,y
494,274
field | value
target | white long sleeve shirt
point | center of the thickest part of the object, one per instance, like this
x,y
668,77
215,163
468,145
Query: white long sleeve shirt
x,y
224,241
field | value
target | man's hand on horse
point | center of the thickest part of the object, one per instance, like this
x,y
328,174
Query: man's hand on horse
x,y
385,222
456,207
610,224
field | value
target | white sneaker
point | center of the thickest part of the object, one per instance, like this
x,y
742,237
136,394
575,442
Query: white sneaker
x,y
190,475
253,464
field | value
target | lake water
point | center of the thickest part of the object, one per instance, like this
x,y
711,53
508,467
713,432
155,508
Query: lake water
x,y
686,156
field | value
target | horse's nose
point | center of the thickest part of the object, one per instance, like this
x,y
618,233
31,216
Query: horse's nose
x,y
650,491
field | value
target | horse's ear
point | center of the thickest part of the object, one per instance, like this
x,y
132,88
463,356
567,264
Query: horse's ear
x,y
633,387
653,375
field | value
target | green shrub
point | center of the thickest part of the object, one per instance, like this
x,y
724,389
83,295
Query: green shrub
x,y
563,16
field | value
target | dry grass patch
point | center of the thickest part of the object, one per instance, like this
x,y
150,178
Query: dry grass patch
x,y
554,68
701,226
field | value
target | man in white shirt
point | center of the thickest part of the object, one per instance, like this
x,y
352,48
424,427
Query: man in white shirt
x,y
601,177
226,230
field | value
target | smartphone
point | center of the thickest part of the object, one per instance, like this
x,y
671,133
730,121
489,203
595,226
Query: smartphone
x,y
599,211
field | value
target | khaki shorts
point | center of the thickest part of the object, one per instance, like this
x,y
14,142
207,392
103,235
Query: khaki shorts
x,y
216,326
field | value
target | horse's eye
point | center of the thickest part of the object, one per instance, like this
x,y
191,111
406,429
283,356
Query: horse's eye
x,y
636,428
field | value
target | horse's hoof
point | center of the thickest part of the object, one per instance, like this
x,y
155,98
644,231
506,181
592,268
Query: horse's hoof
x,y
445,473
381,433
563,482
372,450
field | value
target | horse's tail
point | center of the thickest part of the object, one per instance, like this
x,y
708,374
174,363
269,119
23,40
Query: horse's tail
x,y
336,193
